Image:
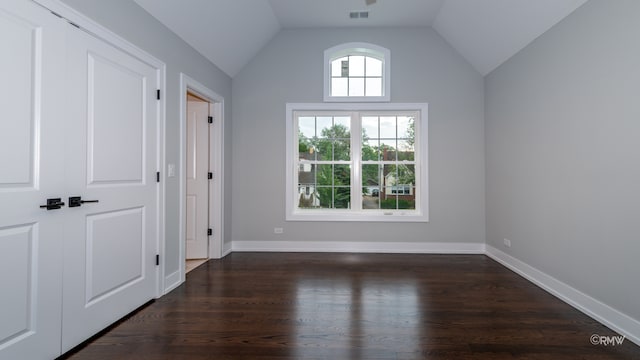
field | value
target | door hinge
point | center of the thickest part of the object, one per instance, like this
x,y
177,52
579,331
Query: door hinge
x,y
210,119
209,232
158,176
158,94
157,259
210,176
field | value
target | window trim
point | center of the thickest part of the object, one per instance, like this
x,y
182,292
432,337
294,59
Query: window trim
x,y
358,48
421,214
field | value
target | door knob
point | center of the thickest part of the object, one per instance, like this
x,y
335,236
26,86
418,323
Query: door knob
x,y
76,201
53,204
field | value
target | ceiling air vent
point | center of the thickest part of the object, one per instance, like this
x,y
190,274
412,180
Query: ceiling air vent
x,y
359,15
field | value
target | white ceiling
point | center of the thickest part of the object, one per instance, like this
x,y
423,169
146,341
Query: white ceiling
x,y
486,32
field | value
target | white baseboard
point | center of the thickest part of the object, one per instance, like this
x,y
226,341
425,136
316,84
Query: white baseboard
x,y
226,250
610,317
172,281
358,246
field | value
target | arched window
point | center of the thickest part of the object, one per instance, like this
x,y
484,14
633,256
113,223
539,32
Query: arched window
x,y
356,72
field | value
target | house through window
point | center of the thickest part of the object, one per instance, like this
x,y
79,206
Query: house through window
x,y
353,164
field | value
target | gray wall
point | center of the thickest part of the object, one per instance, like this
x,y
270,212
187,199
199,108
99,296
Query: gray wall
x,y
131,22
424,69
563,153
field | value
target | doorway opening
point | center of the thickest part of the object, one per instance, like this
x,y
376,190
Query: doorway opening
x,y
199,111
201,181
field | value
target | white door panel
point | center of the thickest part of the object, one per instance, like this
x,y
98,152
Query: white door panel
x,y
20,78
197,207
31,155
114,238
116,117
111,156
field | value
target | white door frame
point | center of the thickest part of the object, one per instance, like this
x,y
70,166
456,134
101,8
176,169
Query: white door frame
x,y
216,165
110,37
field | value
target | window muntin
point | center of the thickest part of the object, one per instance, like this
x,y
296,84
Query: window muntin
x,y
356,75
357,72
337,175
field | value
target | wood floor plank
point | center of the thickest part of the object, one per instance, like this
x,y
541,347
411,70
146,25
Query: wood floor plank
x,y
354,306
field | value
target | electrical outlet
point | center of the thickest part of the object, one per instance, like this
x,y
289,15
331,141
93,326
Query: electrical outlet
x,y
278,230
507,242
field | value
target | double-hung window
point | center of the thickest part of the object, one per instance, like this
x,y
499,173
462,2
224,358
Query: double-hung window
x,y
357,162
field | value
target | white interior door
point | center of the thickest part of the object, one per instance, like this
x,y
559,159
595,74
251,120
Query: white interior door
x,y
197,238
31,155
111,156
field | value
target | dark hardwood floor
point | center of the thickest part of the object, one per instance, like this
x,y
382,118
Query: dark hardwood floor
x,y
355,306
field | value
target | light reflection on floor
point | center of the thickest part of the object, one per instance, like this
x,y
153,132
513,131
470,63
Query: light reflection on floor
x,y
356,307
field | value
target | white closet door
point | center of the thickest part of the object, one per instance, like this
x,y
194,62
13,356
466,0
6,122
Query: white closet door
x,y
197,180
111,156
31,154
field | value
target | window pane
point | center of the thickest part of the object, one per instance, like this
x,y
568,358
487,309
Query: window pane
x,y
406,175
406,127
306,197
390,174
306,174
406,150
306,152
342,198
324,175
307,126
324,195
356,66
374,66
306,186
336,67
388,150
371,150
369,127
305,149
388,127
342,175
356,86
406,202
339,87
323,126
389,202
370,176
324,149
342,150
374,87
371,200
343,121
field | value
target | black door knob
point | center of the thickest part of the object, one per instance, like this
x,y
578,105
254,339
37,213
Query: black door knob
x,y
76,201
53,204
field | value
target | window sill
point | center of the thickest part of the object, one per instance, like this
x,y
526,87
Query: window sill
x,y
352,216
357,99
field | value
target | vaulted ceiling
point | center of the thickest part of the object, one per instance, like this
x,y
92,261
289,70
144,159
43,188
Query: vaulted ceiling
x,y
485,32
